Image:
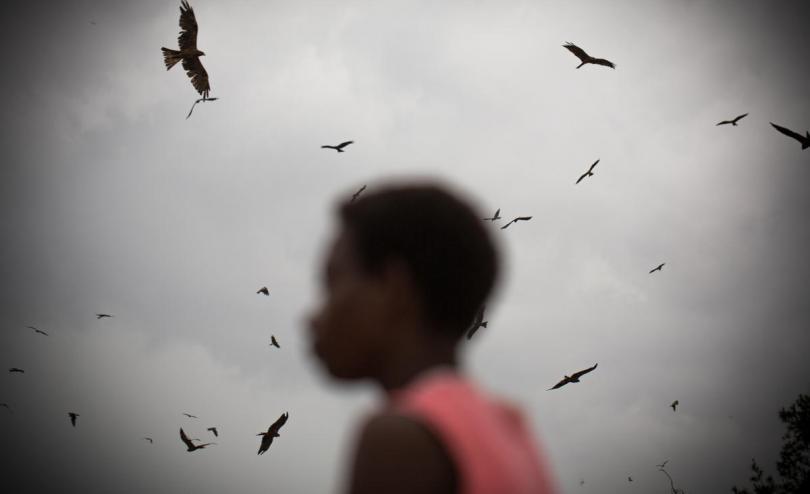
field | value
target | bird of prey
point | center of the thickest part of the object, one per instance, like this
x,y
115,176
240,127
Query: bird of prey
x,y
102,316
38,330
519,218
73,418
495,216
16,369
188,53
214,430
190,445
272,431
732,121
674,405
151,441
339,147
5,405
657,268
585,58
803,139
190,415
264,290
573,378
199,100
629,479
274,342
662,465
356,194
477,323
588,173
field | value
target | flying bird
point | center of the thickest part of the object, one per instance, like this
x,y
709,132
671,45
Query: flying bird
x,y
495,216
585,58
37,330
588,173
16,369
102,316
356,194
190,415
264,290
214,430
151,441
733,121
674,405
573,378
803,139
629,479
188,53
272,431
339,147
657,268
190,445
274,342
519,218
200,100
477,323
73,418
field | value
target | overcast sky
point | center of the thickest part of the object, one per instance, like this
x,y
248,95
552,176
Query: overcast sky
x,y
112,202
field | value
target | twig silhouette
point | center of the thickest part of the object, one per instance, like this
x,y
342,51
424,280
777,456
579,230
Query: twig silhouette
x,y
675,490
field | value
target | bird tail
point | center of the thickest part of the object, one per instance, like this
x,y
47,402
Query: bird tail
x,y
170,57
806,143
580,65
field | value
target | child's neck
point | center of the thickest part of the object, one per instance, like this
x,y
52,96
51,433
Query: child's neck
x,y
404,365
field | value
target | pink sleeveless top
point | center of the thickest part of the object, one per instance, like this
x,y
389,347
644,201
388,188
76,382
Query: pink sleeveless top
x,y
488,440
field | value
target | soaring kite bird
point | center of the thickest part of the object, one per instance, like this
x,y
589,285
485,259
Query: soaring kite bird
x,y
188,54
519,218
274,342
73,418
588,173
190,445
38,330
214,430
151,441
585,58
190,415
674,405
479,322
732,121
573,378
102,316
356,194
16,369
495,216
657,268
339,147
804,139
263,290
272,431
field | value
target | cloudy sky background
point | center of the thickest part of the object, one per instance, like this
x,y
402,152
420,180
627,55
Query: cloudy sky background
x,y
113,202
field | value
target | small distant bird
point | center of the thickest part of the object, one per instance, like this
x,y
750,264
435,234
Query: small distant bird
x,y
16,369
356,194
264,290
273,341
214,430
272,431
495,216
585,58
657,268
588,173
674,405
190,445
573,378
5,405
733,121
662,465
200,100
188,53
190,415
37,330
339,147
73,418
582,482
93,23
102,316
519,218
151,441
803,139
629,479
477,323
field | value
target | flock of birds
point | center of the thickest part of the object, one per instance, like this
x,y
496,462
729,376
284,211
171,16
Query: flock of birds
x,y
189,57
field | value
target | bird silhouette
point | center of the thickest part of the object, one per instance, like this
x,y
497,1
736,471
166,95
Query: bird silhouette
x,y
519,218
629,479
573,378
732,121
495,216
16,369
585,58
339,147
151,441
199,100
36,330
477,323
188,54
657,268
272,431
803,139
102,316
274,342
582,482
356,194
73,416
5,405
214,430
588,173
190,415
190,445
264,290
674,405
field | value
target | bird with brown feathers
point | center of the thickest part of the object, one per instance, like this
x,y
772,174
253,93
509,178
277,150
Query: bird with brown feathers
x,y
733,121
272,431
585,58
190,445
588,173
573,378
188,54
73,416
804,140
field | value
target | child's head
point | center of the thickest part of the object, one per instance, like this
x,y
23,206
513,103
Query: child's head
x,y
407,259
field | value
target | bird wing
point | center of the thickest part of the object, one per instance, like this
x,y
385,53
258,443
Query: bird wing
x,y
579,52
593,165
267,440
581,177
185,439
278,424
724,122
41,332
560,384
523,218
188,27
497,213
602,61
788,132
199,77
506,225
740,117
192,108
577,375
343,144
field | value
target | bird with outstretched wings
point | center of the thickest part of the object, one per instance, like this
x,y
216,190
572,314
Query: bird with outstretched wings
x,y
495,216
519,218
214,431
585,58
674,405
733,121
357,194
588,173
190,445
657,268
272,431
188,54
573,378
37,330
274,342
264,291
339,147
479,322
803,139
73,418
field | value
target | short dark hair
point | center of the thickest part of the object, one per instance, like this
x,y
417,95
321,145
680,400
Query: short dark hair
x,y
440,238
